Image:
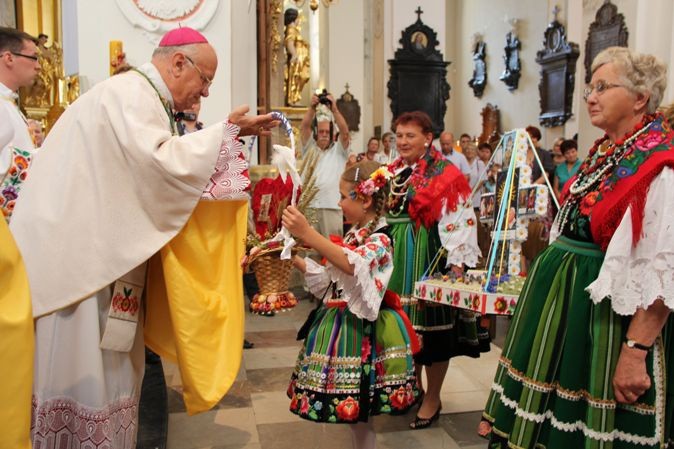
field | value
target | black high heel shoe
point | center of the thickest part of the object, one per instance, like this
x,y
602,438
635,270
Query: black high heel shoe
x,y
422,423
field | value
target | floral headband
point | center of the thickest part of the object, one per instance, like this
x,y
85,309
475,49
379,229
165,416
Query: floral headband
x,y
373,184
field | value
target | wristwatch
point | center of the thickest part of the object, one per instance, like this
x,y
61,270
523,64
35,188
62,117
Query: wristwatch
x,y
634,345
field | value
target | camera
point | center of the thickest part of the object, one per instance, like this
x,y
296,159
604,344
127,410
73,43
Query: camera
x,y
323,98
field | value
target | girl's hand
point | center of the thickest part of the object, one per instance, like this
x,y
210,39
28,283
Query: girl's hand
x,y
247,257
295,222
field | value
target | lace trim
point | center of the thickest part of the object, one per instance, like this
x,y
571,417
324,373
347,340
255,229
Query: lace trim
x,y
575,426
463,254
230,179
639,286
62,423
658,377
316,278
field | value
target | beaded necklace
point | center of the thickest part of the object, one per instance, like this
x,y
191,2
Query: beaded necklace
x,y
600,163
398,196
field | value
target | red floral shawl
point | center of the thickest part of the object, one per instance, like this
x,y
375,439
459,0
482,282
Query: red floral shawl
x,y
628,184
433,180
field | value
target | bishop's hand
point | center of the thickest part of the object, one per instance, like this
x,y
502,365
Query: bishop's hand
x,y
260,125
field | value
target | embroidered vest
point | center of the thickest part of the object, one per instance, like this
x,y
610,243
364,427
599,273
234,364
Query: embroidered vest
x,y
628,183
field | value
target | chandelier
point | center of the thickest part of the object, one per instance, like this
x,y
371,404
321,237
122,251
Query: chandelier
x,y
313,4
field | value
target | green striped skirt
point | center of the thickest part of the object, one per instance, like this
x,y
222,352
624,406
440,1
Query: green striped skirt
x,y
350,368
413,251
553,385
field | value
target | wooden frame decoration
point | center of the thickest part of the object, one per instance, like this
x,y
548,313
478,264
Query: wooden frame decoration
x,y
608,30
419,75
558,67
479,79
350,108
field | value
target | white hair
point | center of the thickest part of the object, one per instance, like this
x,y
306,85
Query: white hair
x,y
641,73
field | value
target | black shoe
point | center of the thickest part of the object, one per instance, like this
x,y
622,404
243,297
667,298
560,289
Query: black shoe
x,y
247,344
422,423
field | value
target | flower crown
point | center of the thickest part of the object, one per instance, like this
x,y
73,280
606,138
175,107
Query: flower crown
x,y
374,183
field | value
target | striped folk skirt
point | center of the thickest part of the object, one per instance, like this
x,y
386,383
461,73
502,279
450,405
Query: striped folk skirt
x,y
349,369
553,386
444,331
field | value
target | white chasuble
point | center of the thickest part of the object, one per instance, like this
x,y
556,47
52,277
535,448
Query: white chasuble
x,y
111,187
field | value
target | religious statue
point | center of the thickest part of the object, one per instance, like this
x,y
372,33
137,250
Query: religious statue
x,y
296,72
479,79
511,57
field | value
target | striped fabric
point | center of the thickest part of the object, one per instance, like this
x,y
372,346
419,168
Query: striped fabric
x,y
413,251
553,386
349,368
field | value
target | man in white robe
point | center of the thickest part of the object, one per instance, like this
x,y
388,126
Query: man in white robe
x,y
112,186
18,68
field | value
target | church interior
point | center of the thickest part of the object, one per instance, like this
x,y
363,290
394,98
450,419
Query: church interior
x,y
478,67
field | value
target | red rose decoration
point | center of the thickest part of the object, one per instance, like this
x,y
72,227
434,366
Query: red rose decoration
x,y
304,405
347,410
399,399
588,203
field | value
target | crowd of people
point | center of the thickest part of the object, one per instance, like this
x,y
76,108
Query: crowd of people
x,y
123,226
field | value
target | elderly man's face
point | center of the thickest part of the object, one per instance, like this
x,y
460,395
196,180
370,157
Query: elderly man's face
x,y
193,76
323,134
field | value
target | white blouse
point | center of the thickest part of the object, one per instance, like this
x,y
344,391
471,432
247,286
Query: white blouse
x,y
634,276
373,265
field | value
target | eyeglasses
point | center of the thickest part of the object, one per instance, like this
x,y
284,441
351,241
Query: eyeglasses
x,y
600,88
204,79
32,57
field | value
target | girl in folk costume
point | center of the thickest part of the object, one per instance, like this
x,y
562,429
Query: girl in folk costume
x,y
429,209
588,357
357,357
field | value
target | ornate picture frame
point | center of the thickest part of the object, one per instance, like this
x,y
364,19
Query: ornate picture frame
x,y
608,30
558,67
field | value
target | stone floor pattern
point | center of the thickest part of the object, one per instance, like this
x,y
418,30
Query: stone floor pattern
x,y
254,413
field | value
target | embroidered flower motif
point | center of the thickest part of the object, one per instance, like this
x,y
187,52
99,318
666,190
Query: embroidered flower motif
x,y
378,283
304,404
293,403
347,410
399,399
438,294
648,141
450,227
588,203
365,350
500,305
10,193
623,172
456,297
21,162
470,222
318,405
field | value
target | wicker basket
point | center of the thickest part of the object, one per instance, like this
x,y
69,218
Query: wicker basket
x,y
273,277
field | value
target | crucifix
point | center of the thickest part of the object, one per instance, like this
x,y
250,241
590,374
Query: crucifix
x,y
419,13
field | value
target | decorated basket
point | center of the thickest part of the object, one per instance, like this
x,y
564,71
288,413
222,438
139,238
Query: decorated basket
x,y
273,277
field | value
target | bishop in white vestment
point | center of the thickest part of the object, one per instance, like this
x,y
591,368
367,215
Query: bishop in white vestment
x,y
114,185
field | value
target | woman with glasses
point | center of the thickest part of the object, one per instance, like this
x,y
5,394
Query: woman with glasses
x,y
587,356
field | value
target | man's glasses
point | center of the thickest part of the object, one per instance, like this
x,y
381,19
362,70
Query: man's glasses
x,y
204,79
31,57
600,88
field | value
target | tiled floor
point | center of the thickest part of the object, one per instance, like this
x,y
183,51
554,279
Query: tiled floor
x,y
254,414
